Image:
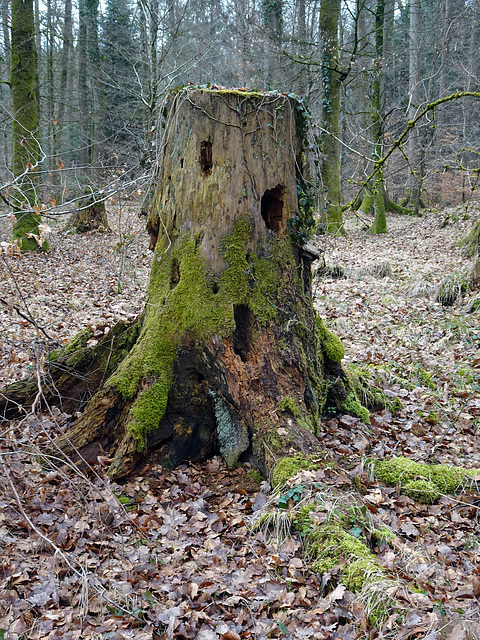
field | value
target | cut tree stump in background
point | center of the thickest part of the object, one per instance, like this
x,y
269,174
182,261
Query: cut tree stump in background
x,y
89,216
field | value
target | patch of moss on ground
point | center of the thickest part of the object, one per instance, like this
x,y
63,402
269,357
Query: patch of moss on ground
x,y
254,476
381,376
422,491
384,534
423,482
363,381
287,467
328,544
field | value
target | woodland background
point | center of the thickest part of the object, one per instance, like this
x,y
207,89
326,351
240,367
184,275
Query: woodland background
x,y
172,553
103,69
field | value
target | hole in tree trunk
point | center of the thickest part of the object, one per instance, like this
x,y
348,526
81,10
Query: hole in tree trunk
x,y
242,335
272,208
206,162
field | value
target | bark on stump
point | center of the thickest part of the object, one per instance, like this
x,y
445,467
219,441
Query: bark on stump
x,y
90,215
230,355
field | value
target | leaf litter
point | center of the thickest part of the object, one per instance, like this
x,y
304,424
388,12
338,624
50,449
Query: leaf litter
x,y
171,553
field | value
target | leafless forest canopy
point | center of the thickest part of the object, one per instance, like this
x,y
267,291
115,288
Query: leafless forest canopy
x,y
102,71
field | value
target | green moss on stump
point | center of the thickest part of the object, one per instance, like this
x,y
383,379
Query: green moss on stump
x,y
288,404
423,482
353,407
330,344
185,303
74,349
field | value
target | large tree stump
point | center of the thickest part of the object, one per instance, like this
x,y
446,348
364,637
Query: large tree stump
x,y
230,355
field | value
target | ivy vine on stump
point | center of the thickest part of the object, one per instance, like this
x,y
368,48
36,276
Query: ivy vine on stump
x,y
228,355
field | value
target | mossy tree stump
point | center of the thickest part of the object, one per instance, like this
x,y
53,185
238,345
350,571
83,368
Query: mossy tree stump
x,y
230,356
90,214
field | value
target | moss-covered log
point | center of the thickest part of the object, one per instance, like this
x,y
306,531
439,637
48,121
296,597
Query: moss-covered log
x,y
71,374
230,356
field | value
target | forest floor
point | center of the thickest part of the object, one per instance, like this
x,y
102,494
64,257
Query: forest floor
x,y
171,553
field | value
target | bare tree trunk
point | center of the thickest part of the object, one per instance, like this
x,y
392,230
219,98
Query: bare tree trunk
x,y
415,99
273,20
5,95
363,82
6,31
375,197
38,49
376,113
302,79
97,100
83,119
241,27
444,44
331,82
50,89
63,95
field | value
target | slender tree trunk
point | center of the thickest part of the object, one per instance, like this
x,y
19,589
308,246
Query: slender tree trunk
x,y
38,51
150,25
378,187
273,20
83,119
375,197
97,99
25,124
6,30
444,44
415,99
241,28
63,96
331,82
302,78
363,88
50,89
5,94
301,28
